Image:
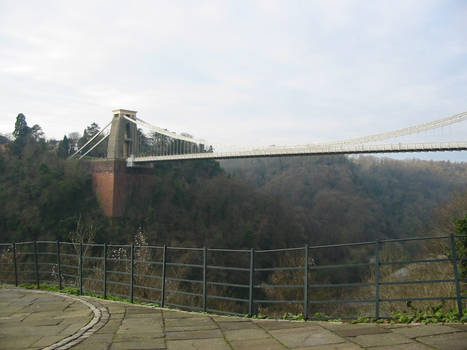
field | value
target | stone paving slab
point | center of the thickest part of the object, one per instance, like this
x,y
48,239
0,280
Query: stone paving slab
x,y
424,330
453,341
306,336
280,324
132,327
43,318
411,346
236,325
462,327
198,344
154,344
354,332
216,333
340,346
371,340
221,319
246,334
189,324
257,344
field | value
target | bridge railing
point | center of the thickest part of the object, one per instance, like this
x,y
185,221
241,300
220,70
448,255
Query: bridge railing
x,y
309,280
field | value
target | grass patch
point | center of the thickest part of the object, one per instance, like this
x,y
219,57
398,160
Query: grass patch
x,y
431,314
75,291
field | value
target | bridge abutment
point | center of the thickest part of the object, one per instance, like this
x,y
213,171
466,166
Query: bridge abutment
x,y
113,182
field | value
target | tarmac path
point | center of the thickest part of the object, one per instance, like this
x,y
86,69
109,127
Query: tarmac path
x,y
42,320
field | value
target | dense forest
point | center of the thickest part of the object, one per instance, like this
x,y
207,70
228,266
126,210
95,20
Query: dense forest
x,y
267,203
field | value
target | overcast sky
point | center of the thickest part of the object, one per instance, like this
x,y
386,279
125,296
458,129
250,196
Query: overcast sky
x,y
237,72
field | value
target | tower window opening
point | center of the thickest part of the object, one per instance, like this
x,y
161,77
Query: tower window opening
x,y
127,130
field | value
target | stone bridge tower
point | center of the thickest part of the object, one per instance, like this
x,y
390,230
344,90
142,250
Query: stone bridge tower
x,y
123,135
113,182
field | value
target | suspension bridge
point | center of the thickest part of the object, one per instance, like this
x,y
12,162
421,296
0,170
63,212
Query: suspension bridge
x,y
139,142
134,145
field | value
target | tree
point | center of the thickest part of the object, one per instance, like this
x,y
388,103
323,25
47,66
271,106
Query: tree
x,y
90,131
21,127
21,133
37,133
4,139
64,148
446,216
73,138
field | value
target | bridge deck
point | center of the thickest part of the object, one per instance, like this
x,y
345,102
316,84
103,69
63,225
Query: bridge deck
x,y
309,150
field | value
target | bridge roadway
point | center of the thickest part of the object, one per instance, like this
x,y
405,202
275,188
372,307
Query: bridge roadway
x,y
313,150
35,320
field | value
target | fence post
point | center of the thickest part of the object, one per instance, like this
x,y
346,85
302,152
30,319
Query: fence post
x,y
80,268
205,264
377,264
456,274
36,265
59,266
164,262
105,270
252,273
14,264
305,285
132,272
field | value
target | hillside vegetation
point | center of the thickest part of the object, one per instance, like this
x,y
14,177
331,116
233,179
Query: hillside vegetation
x,y
353,199
267,203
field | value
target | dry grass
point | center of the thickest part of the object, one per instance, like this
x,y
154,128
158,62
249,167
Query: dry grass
x,y
427,271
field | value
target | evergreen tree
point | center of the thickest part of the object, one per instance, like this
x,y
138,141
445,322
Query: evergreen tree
x,y
21,127
21,134
90,131
64,148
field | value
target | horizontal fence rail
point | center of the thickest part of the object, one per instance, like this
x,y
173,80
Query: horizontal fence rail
x,y
239,281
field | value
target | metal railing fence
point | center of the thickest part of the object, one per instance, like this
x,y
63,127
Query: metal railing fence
x,y
238,281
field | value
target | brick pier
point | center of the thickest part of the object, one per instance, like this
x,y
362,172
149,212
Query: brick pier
x,y
113,183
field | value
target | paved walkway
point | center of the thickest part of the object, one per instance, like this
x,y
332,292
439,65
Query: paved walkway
x,y
34,320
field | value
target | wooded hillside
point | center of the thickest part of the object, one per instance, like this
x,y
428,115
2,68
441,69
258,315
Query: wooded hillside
x,y
351,199
267,203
